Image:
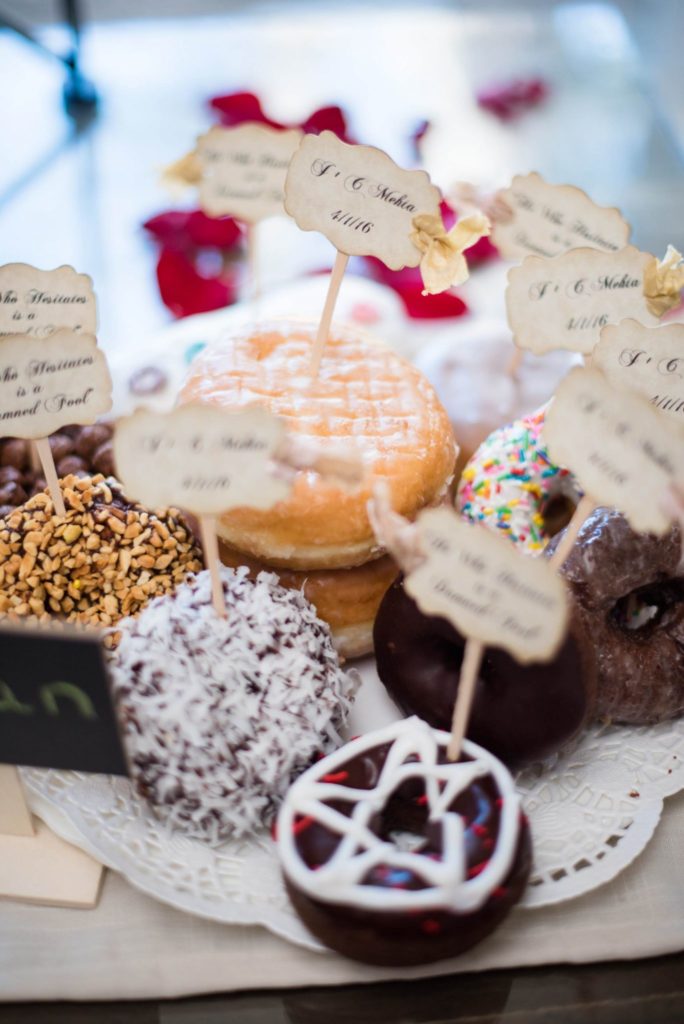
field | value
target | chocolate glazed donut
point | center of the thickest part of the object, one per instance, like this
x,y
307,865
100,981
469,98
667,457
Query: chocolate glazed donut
x,y
521,713
629,592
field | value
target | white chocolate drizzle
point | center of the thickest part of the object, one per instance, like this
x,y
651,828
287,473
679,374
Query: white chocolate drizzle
x,y
340,879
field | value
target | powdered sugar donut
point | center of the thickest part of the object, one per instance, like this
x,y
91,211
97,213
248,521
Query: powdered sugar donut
x,y
394,855
221,714
511,485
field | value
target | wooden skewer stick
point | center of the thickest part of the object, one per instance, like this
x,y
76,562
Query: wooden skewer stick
x,y
582,512
472,659
50,474
338,270
34,458
253,262
207,526
513,367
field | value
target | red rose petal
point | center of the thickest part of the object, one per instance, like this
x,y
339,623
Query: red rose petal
x,y
185,292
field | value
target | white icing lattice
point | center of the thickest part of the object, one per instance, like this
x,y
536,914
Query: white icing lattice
x,y
360,849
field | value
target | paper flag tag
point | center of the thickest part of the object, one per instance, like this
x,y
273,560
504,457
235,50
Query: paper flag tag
x,y
40,302
565,302
649,360
243,170
358,198
551,219
201,458
48,382
486,589
623,452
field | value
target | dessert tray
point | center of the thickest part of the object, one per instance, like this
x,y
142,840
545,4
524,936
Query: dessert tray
x,y
593,809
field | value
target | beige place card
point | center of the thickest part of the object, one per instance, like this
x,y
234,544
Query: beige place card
x,y
486,589
623,452
48,382
565,302
201,458
243,170
649,360
547,220
40,302
358,198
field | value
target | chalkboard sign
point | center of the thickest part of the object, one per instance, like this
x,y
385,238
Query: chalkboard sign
x,y
55,702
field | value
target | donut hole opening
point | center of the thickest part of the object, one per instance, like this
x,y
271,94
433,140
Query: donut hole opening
x,y
404,817
557,511
643,610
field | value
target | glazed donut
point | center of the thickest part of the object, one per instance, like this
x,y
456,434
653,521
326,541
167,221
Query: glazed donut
x,y
628,589
394,855
521,713
219,715
366,400
511,486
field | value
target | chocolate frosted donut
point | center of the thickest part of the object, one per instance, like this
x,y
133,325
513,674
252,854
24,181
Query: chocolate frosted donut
x,y
520,712
629,592
394,855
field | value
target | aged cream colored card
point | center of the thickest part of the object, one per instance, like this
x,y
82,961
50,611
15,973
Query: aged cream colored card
x,y
486,589
243,170
623,452
358,198
547,220
201,458
48,382
649,360
40,302
565,302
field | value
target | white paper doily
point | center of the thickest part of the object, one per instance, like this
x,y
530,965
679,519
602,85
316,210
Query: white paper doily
x,y
591,812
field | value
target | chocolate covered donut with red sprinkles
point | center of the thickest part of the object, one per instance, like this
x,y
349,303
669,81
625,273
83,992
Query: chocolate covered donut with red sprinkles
x,y
394,855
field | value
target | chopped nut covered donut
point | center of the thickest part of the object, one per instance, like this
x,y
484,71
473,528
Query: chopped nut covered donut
x,y
106,559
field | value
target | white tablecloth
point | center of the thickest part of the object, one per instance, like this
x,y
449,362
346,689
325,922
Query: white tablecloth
x,y
132,947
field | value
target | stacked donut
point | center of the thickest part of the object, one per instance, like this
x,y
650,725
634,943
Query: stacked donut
x,y
367,401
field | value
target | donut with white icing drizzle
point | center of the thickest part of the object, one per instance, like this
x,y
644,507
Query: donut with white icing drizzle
x,y
394,855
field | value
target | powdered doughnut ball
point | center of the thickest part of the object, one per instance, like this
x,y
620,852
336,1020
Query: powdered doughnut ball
x,y
102,561
220,715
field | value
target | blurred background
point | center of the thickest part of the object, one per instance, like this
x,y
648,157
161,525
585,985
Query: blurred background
x,y
99,95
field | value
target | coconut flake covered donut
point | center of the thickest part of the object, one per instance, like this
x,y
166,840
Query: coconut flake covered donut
x,y
511,485
394,855
221,714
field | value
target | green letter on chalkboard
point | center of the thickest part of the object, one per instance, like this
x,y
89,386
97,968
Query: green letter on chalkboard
x,y
50,693
8,702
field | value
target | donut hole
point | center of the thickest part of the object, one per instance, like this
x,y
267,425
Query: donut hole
x,y
643,610
557,511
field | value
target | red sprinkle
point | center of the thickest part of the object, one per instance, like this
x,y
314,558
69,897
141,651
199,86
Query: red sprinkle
x,y
477,869
479,830
421,800
274,831
335,777
500,892
430,926
303,823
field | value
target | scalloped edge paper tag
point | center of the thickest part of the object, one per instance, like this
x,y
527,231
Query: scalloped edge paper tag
x,y
201,458
486,589
40,302
649,360
48,382
565,302
359,198
548,220
623,452
244,169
